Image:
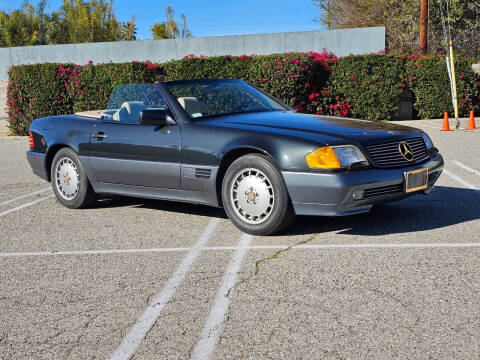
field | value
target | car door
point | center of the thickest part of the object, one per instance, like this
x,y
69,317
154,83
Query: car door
x,y
123,151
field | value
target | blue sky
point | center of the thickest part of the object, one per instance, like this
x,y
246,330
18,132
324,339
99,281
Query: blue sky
x,y
213,17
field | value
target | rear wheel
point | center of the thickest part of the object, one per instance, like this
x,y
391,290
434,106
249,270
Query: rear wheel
x,y
255,197
69,181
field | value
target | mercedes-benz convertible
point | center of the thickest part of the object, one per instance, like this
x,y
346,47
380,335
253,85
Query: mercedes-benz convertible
x,y
228,144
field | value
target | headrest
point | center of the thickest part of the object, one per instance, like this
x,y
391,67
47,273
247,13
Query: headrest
x,y
192,106
129,111
133,106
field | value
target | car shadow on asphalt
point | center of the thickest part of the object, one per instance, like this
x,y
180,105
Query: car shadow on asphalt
x,y
445,206
162,205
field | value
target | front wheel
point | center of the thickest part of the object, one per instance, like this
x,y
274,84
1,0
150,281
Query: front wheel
x,y
69,181
255,197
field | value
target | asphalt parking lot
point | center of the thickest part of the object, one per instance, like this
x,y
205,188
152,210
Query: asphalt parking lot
x,y
160,280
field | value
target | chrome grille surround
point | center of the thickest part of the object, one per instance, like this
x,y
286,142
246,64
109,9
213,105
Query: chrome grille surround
x,y
386,155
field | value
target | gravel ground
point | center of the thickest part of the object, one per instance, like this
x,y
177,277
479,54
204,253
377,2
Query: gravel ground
x,y
399,282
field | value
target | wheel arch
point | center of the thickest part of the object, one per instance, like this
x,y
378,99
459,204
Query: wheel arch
x,y
51,152
228,158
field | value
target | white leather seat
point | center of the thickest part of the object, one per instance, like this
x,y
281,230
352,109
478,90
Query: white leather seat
x,y
193,106
129,112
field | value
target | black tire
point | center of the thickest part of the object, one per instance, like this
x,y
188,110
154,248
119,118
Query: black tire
x,y
84,195
279,216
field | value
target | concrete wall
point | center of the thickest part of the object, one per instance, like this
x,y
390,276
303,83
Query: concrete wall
x,y
340,42
3,114
3,97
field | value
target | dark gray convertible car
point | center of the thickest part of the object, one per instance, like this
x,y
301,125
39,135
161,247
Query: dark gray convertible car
x,y
225,143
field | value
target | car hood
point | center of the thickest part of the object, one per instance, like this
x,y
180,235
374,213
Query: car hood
x,y
362,131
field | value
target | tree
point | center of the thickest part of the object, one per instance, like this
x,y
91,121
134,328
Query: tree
x,y
465,24
170,29
20,27
57,29
77,21
128,30
184,30
91,21
159,32
42,37
401,19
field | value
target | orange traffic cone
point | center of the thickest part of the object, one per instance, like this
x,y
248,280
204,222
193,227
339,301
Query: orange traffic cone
x,y
471,122
446,124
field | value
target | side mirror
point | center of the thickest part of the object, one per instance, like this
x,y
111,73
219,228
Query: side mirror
x,y
155,117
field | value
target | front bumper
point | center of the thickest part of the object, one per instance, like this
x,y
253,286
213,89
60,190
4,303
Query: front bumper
x,y
37,163
331,194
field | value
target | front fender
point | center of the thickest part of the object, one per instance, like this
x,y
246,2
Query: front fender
x,y
288,153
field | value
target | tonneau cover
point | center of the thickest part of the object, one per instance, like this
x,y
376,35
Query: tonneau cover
x,y
94,114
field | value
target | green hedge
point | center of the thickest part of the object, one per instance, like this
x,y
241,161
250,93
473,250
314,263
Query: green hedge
x,y
366,86
95,83
285,76
427,77
369,84
36,91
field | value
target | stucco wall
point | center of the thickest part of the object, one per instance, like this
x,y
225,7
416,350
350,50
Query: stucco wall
x,y
340,42
3,115
3,97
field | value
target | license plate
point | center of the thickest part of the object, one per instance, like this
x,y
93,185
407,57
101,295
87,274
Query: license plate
x,y
416,180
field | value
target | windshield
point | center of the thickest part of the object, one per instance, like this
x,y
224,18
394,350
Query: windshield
x,y
202,98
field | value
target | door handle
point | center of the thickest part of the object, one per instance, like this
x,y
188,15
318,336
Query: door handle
x,y
99,136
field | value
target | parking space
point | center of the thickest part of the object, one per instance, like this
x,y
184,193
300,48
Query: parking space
x,y
75,307
357,304
16,178
153,279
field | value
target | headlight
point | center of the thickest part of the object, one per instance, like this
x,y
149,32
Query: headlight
x,y
335,157
428,141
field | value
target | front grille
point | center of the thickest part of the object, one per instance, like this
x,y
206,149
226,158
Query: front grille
x,y
388,154
382,192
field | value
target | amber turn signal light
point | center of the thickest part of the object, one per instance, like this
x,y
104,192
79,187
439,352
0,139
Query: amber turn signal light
x,y
323,158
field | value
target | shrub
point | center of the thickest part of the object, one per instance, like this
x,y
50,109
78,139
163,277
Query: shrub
x,y
369,84
36,91
95,83
289,77
366,86
427,77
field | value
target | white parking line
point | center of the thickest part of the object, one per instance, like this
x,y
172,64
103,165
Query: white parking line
x,y
25,205
420,124
429,126
254,247
465,167
143,325
461,181
93,252
213,326
23,197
